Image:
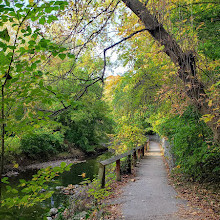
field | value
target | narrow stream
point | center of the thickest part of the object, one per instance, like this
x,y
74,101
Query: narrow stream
x,y
39,211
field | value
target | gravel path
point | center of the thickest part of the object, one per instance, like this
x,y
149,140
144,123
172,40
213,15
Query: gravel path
x,y
150,197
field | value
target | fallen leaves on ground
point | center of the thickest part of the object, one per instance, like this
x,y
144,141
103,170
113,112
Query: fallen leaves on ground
x,y
203,198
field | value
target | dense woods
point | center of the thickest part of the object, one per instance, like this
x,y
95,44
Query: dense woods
x,y
61,87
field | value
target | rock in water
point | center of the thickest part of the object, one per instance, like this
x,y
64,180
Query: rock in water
x,y
59,187
53,211
42,191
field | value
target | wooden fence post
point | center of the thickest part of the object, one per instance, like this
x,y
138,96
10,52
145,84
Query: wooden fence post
x,y
139,154
145,147
102,175
118,170
142,150
129,163
135,157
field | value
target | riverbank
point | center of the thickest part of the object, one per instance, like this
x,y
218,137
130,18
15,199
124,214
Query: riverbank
x,y
91,202
36,166
74,155
23,163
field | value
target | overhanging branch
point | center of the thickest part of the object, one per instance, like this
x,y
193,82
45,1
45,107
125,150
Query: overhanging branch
x,y
117,43
83,91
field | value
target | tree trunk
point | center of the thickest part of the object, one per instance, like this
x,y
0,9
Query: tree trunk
x,y
3,138
184,60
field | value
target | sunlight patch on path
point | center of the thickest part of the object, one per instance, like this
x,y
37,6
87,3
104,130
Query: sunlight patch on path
x,y
154,154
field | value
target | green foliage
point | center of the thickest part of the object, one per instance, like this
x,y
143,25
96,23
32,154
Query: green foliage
x,y
12,149
23,49
202,19
87,126
130,126
129,133
39,84
29,193
97,193
207,24
152,87
41,145
192,147
12,145
40,76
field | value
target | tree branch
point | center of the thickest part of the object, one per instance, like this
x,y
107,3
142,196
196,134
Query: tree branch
x,y
84,90
113,45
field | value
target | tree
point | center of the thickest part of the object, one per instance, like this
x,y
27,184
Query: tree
x,y
186,61
166,106
22,47
31,42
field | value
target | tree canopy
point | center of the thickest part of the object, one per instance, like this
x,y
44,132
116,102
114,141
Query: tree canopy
x,y
57,81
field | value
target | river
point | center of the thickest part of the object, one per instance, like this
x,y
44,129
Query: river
x,y
39,211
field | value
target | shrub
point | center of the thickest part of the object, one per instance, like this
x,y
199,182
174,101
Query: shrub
x,y
12,145
88,126
41,145
191,145
12,148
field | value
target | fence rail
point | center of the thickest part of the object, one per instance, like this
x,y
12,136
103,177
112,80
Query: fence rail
x,y
134,154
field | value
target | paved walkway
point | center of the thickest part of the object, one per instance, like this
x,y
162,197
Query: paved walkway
x,y
150,197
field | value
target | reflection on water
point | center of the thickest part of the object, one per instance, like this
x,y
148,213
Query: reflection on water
x,y
37,212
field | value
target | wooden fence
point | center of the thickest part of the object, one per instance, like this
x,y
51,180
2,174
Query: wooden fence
x,y
134,154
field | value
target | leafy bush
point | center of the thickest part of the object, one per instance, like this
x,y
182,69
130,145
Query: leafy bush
x,y
191,145
41,145
12,148
88,126
12,145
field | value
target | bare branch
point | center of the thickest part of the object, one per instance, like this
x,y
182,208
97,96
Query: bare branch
x,y
113,45
84,90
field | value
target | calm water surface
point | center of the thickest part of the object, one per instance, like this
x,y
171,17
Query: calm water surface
x,y
39,211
